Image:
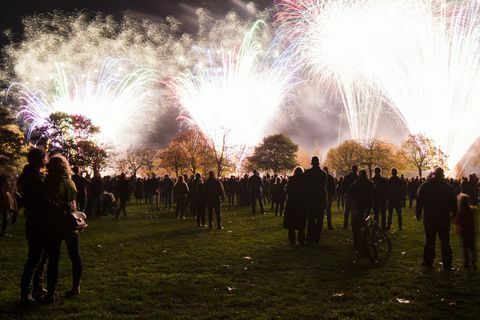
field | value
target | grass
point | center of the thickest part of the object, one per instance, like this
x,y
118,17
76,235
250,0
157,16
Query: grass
x,y
152,266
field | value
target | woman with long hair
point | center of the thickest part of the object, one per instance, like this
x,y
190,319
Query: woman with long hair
x,y
61,193
295,219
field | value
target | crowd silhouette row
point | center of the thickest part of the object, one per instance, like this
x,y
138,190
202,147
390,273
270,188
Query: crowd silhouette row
x,y
304,199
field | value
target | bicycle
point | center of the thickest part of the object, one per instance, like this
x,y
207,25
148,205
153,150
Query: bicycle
x,y
375,239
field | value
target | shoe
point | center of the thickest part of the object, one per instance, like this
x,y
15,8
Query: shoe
x,y
220,228
72,292
27,299
39,293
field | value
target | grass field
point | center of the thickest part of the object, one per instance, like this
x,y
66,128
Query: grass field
x,y
152,266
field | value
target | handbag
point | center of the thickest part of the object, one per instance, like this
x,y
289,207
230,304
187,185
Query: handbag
x,y
77,221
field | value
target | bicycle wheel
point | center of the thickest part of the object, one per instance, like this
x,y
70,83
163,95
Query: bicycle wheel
x,y
371,247
383,242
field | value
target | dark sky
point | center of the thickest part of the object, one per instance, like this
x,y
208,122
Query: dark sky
x,y
12,11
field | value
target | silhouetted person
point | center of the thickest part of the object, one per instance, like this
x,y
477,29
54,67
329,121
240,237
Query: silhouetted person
x,y
180,192
347,182
295,219
168,185
340,194
97,189
266,189
255,186
361,196
215,193
465,223
437,200
315,199
278,196
81,185
32,186
200,202
123,194
330,196
380,197
395,195
61,195
412,190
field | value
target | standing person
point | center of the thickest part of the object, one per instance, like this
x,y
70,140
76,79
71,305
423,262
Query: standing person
x,y
340,195
8,202
32,187
266,189
395,195
97,189
279,196
295,219
412,191
139,188
200,202
437,200
465,223
330,196
361,195
167,191
215,193
255,186
81,185
315,180
123,188
347,182
180,192
61,195
380,197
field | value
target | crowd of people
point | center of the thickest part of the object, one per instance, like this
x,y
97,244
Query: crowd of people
x,y
303,199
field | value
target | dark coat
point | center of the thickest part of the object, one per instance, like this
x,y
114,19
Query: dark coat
x,y
214,190
330,186
34,197
315,182
381,188
295,213
278,192
436,199
348,180
396,191
361,192
255,184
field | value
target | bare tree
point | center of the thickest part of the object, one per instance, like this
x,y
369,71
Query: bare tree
x,y
421,153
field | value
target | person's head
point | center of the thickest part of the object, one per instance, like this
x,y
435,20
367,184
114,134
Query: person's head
x,y
75,170
394,172
37,157
354,168
362,174
279,180
198,176
298,171
377,170
315,161
181,179
58,167
325,169
255,172
439,173
211,175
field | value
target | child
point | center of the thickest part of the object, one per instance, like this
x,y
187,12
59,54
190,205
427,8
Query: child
x,y
465,224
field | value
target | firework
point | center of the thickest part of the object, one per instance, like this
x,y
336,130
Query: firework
x,y
234,96
108,97
422,57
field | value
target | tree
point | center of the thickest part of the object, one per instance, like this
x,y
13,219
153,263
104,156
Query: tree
x,y
276,153
134,159
12,147
173,158
378,153
195,149
343,157
149,159
91,155
421,153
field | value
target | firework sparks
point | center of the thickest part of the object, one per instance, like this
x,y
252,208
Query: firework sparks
x,y
233,100
106,96
421,56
